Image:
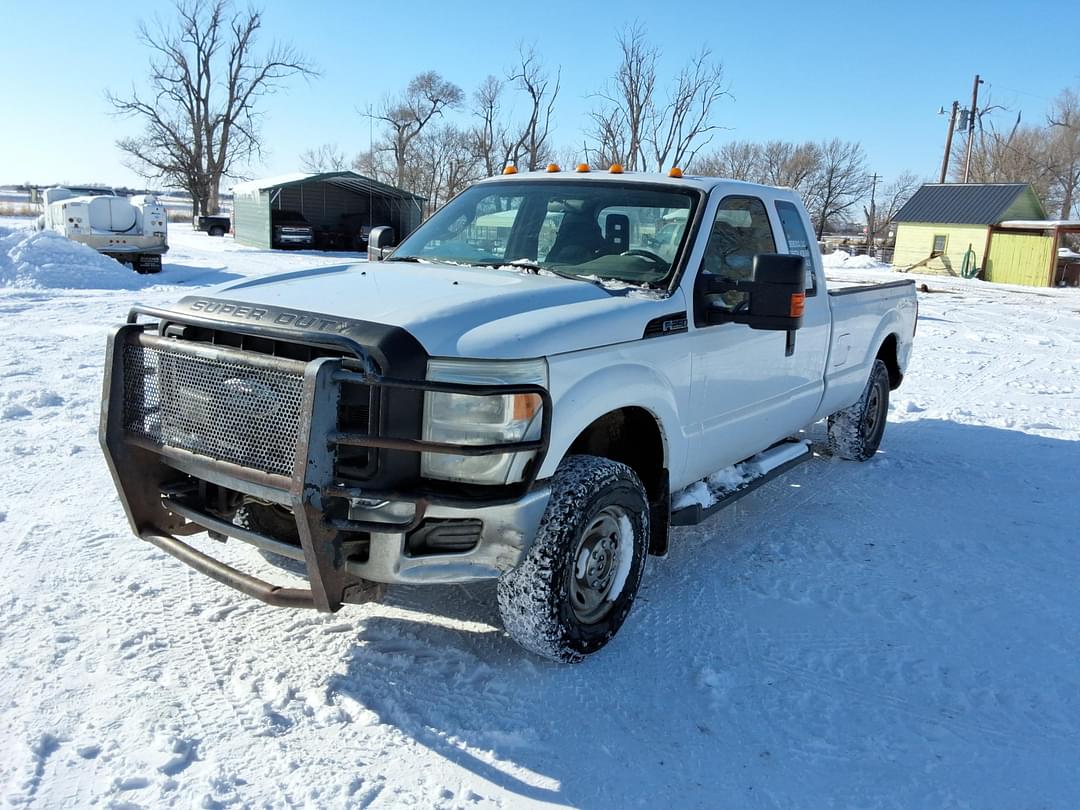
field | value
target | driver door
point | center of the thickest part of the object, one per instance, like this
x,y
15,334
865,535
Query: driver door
x,y
743,378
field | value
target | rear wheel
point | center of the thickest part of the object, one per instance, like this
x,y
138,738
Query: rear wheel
x,y
855,432
216,230
574,589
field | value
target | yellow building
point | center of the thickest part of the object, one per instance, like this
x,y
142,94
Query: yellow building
x,y
945,227
1032,253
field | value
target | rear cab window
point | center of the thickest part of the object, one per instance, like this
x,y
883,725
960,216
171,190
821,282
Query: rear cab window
x,y
798,241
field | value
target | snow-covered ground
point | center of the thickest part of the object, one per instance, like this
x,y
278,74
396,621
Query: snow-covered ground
x,y
902,634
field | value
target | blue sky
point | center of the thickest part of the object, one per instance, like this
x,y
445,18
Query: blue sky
x,y
870,72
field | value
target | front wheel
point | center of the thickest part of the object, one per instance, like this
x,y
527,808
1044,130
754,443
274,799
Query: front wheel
x,y
855,432
574,589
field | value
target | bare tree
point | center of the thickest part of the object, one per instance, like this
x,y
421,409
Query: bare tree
x,y
739,160
1064,149
789,164
685,124
610,140
633,127
841,180
1046,156
531,146
621,122
375,163
489,134
443,164
324,158
890,200
426,97
1019,154
201,114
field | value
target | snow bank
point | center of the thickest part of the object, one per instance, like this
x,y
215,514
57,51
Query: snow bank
x,y
46,260
847,261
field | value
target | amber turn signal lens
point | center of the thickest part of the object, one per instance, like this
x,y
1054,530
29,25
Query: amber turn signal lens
x,y
798,304
526,406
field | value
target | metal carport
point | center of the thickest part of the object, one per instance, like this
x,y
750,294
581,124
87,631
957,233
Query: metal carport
x,y
331,202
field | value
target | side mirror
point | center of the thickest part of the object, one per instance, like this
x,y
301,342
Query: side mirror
x,y
775,297
380,243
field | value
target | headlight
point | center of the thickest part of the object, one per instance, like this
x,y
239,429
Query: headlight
x,y
469,419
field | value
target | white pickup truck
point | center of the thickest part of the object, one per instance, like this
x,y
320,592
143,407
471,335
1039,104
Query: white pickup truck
x,y
531,388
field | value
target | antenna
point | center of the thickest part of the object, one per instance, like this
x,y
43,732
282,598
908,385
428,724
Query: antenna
x,y
371,154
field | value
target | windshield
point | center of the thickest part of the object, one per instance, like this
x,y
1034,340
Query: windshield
x,y
625,232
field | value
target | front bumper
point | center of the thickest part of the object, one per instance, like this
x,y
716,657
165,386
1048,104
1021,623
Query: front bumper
x,y
350,552
284,237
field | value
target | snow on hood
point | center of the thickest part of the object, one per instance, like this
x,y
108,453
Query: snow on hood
x,y
47,260
463,312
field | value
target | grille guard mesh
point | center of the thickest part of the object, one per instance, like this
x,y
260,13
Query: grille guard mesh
x,y
224,410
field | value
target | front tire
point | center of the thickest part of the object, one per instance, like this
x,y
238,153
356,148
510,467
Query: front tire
x,y
855,432
575,588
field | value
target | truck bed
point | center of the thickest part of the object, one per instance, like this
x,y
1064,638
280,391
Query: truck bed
x,y
864,317
859,287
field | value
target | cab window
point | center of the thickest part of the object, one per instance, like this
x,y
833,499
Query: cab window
x,y
740,231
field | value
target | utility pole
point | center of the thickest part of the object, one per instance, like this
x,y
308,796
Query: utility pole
x,y
971,126
948,142
870,218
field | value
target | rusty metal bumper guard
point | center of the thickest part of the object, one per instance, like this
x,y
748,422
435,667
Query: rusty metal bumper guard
x,y
145,470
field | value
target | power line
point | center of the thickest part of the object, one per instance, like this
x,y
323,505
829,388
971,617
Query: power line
x,y
991,85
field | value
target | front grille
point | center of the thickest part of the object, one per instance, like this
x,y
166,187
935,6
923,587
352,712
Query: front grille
x,y
224,410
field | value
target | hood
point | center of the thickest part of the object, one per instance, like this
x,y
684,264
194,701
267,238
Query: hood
x,y
464,312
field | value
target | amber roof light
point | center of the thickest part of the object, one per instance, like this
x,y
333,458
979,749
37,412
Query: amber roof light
x,y
583,167
511,169
615,168
675,172
553,167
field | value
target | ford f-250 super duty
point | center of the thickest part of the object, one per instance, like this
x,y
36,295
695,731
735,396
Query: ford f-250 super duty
x,y
519,392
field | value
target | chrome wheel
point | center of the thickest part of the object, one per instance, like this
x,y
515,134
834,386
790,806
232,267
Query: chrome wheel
x,y
602,561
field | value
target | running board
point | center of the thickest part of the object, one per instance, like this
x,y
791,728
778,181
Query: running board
x,y
763,467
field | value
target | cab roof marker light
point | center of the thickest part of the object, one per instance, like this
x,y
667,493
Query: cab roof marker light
x,y
675,172
510,169
583,167
615,168
553,167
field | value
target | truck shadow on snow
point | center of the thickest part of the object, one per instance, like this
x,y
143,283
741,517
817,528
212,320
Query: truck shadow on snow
x,y
679,706
172,273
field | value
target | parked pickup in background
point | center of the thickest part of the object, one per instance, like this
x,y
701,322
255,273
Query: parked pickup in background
x,y
290,229
531,388
214,225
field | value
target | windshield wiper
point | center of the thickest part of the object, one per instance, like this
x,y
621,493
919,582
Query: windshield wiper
x,y
535,267
402,259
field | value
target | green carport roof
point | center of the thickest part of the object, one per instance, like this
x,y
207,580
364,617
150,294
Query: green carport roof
x,y
350,181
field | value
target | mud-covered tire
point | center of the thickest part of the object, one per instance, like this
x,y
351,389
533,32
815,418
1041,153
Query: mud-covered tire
x,y
855,432
554,602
